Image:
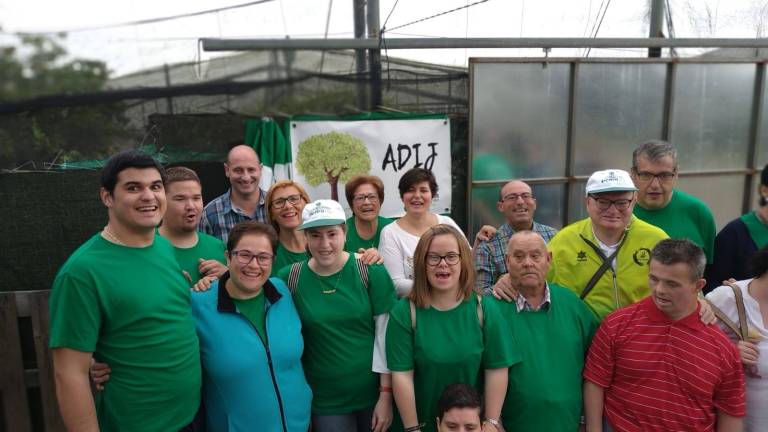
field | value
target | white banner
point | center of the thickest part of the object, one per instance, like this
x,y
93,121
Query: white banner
x,y
328,151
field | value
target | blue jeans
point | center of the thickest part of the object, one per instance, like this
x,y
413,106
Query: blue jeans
x,y
606,425
358,421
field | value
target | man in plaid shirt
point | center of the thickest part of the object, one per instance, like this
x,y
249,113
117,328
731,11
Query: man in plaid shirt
x,y
518,205
243,201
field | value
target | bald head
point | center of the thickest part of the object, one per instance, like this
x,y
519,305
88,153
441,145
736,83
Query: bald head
x,y
241,151
528,262
517,203
243,169
526,236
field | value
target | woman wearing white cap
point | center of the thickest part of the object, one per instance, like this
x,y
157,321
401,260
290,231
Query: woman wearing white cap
x,y
343,304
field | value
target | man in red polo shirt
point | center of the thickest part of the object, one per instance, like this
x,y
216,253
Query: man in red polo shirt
x,y
653,366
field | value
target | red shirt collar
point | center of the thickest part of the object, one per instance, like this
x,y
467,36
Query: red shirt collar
x,y
691,320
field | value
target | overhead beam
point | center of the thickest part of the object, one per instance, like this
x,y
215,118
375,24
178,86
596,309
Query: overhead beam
x,y
215,44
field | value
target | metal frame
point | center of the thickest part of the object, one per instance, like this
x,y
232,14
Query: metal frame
x,y
220,44
569,179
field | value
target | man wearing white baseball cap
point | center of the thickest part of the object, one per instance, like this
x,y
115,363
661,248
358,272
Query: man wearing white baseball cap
x,y
604,258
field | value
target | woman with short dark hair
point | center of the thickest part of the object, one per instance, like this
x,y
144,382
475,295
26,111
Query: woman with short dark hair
x,y
418,188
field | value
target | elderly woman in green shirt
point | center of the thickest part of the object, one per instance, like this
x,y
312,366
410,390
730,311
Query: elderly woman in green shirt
x,y
444,333
364,193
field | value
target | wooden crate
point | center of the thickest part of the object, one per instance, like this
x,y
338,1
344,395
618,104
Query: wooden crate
x,y
15,380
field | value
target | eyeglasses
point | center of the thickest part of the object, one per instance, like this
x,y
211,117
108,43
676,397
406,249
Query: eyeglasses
x,y
291,199
450,259
605,204
359,199
245,258
513,197
664,177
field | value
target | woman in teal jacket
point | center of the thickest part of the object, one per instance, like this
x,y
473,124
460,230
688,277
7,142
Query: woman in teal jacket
x,y
250,342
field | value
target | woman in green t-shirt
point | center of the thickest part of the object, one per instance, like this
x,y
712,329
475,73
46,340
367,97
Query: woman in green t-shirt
x,y
443,333
285,201
364,193
343,305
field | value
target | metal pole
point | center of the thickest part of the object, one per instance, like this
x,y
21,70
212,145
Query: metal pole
x,y
450,43
168,100
359,15
657,25
374,54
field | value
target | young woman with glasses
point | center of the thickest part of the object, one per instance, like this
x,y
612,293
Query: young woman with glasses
x,y
444,333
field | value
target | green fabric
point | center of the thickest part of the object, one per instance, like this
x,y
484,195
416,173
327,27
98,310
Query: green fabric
x,y
130,307
355,242
544,391
284,257
684,217
270,141
254,309
338,331
447,347
756,228
207,247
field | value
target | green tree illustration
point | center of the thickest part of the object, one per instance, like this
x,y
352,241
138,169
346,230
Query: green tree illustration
x,y
332,157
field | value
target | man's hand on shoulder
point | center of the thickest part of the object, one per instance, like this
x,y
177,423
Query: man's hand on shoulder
x,y
503,289
485,233
204,284
210,267
369,256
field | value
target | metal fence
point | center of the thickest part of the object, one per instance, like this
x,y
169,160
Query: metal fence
x,y
554,122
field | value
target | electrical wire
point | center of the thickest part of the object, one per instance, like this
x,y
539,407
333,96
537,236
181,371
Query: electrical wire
x,y
438,14
141,22
605,11
389,15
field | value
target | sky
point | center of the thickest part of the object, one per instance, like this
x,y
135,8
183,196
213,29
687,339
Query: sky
x,y
131,48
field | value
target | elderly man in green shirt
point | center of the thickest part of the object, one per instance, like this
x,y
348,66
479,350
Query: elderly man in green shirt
x,y
553,329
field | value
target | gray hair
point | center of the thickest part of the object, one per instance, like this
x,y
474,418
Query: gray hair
x,y
654,150
674,251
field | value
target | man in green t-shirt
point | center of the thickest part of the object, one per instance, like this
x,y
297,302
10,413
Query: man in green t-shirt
x,y
121,298
553,329
198,254
680,215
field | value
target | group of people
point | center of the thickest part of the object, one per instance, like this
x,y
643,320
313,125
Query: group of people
x,y
300,317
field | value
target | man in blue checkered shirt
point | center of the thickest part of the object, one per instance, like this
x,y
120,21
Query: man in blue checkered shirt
x,y
243,201
518,205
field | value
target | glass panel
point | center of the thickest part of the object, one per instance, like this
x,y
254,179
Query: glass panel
x,y
754,203
549,209
712,111
519,122
577,208
618,106
723,194
762,142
